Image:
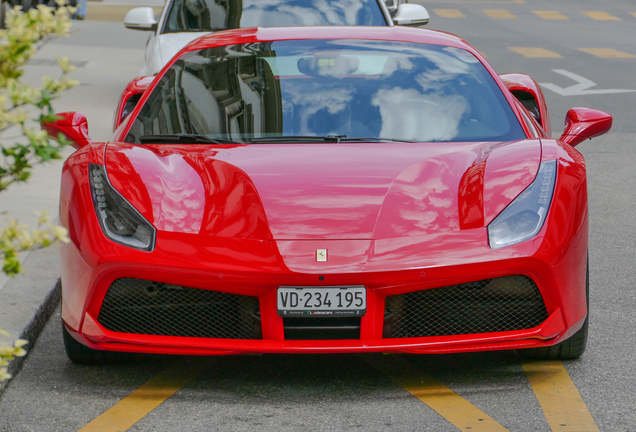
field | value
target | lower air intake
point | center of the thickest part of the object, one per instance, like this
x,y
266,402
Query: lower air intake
x,y
492,305
152,308
322,328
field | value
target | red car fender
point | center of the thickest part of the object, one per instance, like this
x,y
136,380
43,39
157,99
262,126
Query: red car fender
x,y
567,226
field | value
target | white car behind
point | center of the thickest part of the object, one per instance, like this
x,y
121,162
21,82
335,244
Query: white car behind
x,y
182,21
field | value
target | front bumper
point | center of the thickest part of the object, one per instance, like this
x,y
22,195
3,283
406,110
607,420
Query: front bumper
x,y
257,268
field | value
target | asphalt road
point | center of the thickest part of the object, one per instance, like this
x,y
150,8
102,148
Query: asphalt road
x,y
486,391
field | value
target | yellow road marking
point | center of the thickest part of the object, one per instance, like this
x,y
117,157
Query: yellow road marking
x,y
561,402
449,13
551,15
601,16
110,13
633,13
499,14
454,408
607,53
149,396
535,52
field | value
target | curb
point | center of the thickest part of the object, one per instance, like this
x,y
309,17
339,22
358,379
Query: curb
x,y
34,328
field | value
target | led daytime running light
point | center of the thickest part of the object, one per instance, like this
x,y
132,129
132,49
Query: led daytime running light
x,y
525,216
119,220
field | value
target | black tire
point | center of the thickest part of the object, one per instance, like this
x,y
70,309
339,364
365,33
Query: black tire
x,y
569,349
81,354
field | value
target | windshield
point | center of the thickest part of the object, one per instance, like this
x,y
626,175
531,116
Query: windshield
x,y
214,15
338,88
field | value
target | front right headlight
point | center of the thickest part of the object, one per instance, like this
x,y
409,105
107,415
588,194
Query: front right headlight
x,y
524,217
120,221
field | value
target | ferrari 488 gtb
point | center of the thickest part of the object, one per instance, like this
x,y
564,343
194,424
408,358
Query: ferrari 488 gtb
x,y
323,190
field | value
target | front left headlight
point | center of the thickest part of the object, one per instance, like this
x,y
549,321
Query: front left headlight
x,y
120,221
524,217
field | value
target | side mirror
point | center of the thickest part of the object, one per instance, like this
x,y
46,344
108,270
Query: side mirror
x,y
411,15
142,18
585,123
72,125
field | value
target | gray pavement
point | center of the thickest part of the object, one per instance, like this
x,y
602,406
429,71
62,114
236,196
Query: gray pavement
x,y
343,392
110,56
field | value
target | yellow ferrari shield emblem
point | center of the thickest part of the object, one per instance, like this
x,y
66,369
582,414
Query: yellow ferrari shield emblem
x,y
321,255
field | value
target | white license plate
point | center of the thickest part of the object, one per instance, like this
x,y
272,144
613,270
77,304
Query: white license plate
x,y
323,301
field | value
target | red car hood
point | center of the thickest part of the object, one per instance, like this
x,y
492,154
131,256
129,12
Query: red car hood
x,y
322,191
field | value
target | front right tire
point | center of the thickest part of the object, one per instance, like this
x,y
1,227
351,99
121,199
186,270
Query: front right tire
x,y
81,354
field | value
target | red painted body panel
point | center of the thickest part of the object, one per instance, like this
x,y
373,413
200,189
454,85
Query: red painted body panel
x,y
316,191
555,260
395,217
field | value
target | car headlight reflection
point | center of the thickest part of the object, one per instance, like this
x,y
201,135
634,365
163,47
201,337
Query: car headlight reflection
x,y
120,221
524,217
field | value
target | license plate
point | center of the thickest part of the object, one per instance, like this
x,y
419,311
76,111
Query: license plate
x,y
323,301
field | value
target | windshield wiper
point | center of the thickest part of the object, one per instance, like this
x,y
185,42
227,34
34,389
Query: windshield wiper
x,y
298,139
183,139
374,139
326,138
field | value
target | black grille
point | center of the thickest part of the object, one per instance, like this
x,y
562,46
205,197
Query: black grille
x,y
152,308
493,305
322,328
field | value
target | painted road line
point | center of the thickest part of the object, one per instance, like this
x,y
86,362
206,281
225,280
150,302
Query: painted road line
x,y
535,52
561,402
607,53
110,13
149,396
601,16
550,15
633,13
582,86
499,14
454,408
449,13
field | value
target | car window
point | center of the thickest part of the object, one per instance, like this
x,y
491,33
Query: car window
x,y
214,15
352,88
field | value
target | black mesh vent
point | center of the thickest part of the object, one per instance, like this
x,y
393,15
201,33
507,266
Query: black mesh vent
x,y
152,308
493,305
322,328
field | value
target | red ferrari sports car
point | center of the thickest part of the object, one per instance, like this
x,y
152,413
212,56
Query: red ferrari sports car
x,y
327,190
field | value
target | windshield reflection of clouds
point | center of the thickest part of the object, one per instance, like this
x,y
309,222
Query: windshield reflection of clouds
x,y
404,91
304,103
430,115
411,115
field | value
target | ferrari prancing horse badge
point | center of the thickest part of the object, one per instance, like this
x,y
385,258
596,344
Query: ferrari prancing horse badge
x,y
321,255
